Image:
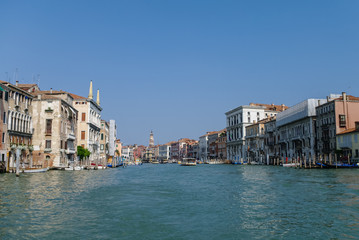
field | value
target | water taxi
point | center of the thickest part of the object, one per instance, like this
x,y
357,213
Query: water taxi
x,y
188,162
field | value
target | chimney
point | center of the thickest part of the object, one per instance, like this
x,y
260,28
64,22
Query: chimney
x,y
344,96
17,83
327,98
283,107
357,126
51,90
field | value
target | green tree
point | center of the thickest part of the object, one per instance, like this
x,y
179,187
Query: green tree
x,y
83,152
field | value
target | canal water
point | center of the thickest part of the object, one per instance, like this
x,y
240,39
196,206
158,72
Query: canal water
x,y
174,202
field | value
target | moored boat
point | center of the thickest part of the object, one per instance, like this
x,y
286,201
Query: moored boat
x,y
35,170
291,164
188,162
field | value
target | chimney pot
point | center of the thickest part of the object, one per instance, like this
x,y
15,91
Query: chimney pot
x,y
17,82
344,96
50,90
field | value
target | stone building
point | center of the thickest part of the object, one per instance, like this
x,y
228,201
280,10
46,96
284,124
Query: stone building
x,y
111,141
338,114
55,123
89,123
296,129
237,121
19,127
104,141
193,150
348,145
4,106
222,146
256,141
270,140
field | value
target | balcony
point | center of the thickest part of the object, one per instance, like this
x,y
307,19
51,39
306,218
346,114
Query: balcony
x,y
47,150
71,136
70,151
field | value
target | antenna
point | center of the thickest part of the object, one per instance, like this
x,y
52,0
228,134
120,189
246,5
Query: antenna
x,y
38,80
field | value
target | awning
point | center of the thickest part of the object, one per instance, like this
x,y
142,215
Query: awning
x,y
1,89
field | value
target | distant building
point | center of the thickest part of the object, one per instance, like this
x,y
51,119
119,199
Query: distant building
x,y
152,141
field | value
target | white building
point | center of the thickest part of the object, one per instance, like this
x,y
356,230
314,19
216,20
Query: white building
x,y
241,117
112,138
164,152
296,129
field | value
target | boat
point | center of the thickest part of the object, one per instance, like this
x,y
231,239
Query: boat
x,y
338,165
35,170
291,164
77,168
188,162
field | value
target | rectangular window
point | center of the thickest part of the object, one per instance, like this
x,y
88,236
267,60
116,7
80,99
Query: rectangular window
x,y
82,135
101,146
3,157
61,143
356,138
83,117
101,136
48,126
356,153
4,118
65,144
3,137
6,96
342,122
48,144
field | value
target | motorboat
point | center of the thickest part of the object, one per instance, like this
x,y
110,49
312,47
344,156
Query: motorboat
x,y
35,170
188,162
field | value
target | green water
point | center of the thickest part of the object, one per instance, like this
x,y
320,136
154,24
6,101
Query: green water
x,y
176,202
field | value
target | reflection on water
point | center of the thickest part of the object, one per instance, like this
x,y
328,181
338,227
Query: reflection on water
x,y
174,202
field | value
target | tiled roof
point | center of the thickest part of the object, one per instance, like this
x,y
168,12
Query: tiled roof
x,y
271,106
349,97
76,96
350,130
26,86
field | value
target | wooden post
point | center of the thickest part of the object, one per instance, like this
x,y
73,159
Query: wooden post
x,y
17,162
330,158
336,161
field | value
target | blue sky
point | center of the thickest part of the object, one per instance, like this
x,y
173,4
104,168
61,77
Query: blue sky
x,y
175,67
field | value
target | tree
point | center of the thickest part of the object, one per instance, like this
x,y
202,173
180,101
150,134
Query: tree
x,y
83,152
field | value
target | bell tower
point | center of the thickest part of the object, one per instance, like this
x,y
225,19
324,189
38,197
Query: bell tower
x,y
152,141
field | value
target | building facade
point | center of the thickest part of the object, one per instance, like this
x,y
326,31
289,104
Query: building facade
x,y
19,127
338,114
89,123
348,145
55,125
296,129
237,121
104,141
4,106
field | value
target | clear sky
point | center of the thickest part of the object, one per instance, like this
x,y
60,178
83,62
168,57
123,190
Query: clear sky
x,y
175,67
